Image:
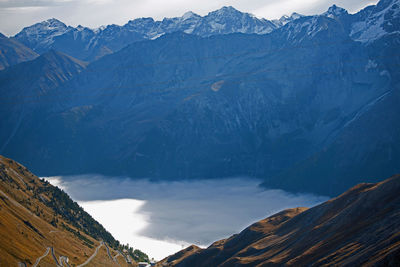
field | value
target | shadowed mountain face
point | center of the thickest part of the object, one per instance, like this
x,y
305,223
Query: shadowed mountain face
x,y
360,227
25,90
366,148
12,52
267,106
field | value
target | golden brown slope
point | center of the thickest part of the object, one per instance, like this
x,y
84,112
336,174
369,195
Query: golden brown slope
x,y
359,228
35,217
179,256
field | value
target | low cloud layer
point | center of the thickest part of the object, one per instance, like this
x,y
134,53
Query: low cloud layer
x,y
198,212
15,14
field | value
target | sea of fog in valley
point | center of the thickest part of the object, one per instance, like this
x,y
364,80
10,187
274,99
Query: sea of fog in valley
x,y
161,218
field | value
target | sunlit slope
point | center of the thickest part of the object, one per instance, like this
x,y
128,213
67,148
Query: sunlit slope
x,y
359,228
40,223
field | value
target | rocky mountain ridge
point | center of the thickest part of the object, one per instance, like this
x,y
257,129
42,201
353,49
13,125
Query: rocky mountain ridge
x,y
90,44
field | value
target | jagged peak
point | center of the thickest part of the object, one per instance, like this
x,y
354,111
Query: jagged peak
x,y
286,19
51,23
140,21
335,11
46,25
228,9
296,15
54,21
225,10
81,28
189,15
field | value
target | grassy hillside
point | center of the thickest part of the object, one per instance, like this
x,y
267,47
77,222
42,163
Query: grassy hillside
x,y
35,216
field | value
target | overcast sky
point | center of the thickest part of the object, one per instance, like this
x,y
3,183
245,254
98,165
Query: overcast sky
x,y
16,14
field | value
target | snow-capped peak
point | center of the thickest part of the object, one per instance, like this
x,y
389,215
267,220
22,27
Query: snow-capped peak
x,y
225,11
296,16
54,21
189,15
99,29
286,19
52,24
335,11
377,21
42,34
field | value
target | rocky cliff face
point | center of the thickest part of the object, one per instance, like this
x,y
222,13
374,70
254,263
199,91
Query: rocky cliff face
x,y
341,231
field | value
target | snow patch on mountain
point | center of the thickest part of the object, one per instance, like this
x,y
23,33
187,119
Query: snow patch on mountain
x,y
367,25
381,20
223,21
335,11
43,32
285,19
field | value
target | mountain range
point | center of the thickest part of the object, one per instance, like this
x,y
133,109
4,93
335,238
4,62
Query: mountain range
x,y
306,103
90,44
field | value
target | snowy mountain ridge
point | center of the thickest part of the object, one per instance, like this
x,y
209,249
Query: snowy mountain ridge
x,y
53,34
90,44
377,21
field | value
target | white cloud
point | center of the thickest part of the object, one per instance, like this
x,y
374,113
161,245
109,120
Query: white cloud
x,y
160,217
16,14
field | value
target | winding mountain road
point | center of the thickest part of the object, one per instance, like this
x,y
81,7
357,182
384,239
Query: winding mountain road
x,y
54,257
41,257
93,255
63,260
